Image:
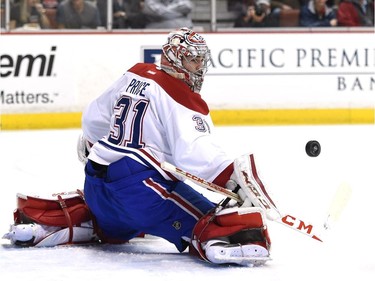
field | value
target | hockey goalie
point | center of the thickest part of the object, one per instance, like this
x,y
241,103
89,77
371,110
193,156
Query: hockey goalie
x,y
154,114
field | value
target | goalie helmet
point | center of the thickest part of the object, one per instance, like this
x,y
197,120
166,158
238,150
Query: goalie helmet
x,y
183,47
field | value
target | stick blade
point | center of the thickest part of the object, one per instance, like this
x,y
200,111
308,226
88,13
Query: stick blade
x,y
339,202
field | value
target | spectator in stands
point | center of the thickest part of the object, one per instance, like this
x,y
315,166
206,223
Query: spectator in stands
x,y
258,15
316,13
77,14
238,6
332,3
278,5
50,4
356,13
126,13
168,14
28,14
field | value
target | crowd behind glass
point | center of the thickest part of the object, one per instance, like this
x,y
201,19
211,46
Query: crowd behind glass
x,y
170,14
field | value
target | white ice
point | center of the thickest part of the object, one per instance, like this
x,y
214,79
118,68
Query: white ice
x,y
44,162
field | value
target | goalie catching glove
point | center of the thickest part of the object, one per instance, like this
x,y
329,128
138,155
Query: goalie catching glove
x,y
251,191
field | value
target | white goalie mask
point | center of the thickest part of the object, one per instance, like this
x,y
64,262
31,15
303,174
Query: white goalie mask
x,y
183,47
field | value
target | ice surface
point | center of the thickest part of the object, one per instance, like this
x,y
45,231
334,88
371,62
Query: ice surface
x,y
43,162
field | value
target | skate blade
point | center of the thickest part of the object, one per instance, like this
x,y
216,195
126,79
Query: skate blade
x,y
244,261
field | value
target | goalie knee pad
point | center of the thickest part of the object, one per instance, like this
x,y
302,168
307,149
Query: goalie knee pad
x,y
239,231
62,219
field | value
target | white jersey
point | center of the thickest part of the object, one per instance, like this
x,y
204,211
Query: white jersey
x,y
153,117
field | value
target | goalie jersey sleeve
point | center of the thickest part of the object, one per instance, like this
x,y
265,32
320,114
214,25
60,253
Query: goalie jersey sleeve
x,y
152,117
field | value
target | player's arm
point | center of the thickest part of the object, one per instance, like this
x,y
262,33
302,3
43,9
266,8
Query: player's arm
x,y
96,120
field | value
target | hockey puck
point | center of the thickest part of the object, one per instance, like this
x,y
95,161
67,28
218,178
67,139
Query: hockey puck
x,y
312,148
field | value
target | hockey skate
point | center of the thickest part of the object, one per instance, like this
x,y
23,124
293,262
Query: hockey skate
x,y
34,234
28,234
220,252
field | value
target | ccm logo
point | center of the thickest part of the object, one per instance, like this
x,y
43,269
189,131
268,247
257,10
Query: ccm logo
x,y
296,223
300,226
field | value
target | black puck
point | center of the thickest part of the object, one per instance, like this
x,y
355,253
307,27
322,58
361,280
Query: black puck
x,y
312,148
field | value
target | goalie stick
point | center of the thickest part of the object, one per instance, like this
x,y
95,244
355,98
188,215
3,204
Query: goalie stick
x,y
285,219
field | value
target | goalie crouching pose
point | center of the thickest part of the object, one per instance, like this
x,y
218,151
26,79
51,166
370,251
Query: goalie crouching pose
x,y
154,114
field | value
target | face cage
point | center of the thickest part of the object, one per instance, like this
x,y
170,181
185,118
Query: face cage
x,y
204,59
175,55
198,56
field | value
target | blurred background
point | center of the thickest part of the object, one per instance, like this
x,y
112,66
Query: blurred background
x,y
285,62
